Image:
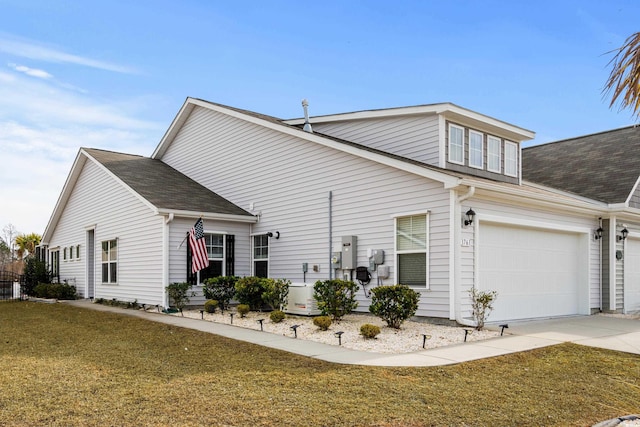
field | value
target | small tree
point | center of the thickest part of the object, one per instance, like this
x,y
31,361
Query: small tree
x,y
481,305
35,271
221,289
179,294
336,297
394,304
276,293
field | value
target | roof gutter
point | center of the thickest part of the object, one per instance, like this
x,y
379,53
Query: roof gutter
x,y
209,215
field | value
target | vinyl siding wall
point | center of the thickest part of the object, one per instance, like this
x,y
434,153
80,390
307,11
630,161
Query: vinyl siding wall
x,y
488,208
98,200
414,137
288,181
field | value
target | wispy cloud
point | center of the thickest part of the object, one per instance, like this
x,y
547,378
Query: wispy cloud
x,y
33,72
37,51
42,126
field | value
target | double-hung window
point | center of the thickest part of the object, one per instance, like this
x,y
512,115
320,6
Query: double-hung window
x,y
220,252
110,261
411,250
510,158
494,153
215,253
476,149
456,144
261,255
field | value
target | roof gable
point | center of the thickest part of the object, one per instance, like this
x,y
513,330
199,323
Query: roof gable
x,y
162,186
448,178
159,186
603,166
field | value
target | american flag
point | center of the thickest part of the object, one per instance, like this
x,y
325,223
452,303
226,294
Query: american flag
x,y
199,256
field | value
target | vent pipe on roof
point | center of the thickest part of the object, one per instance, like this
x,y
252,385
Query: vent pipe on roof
x,y
307,125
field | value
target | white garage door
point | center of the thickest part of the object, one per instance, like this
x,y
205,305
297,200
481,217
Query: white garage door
x,y
535,272
632,276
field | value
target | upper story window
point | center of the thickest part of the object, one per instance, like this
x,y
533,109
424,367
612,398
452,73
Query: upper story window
x,y
510,158
456,144
476,149
494,154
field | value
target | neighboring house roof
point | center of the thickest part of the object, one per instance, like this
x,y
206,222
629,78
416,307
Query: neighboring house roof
x,y
163,186
602,166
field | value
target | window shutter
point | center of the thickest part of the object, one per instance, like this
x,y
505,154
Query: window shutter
x,y
192,278
230,250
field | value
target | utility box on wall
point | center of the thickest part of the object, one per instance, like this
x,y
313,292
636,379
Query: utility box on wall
x,y
349,252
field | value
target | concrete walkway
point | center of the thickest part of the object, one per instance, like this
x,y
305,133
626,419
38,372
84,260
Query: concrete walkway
x,y
596,331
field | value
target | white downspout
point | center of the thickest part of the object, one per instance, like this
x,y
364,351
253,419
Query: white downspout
x,y
165,258
456,281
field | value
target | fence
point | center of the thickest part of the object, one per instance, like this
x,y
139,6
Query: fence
x,y
10,285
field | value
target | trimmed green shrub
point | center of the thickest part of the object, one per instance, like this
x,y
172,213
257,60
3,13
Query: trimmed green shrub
x,y
394,304
243,309
221,289
481,305
336,297
179,294
322,322
62,291
277,316
276,292
210,305
249,291
35,272
369,331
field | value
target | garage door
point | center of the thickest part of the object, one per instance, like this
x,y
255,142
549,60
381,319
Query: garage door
x,y
535,272
632,276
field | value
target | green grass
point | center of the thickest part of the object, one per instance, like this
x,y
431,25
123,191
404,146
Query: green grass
x,y
63,365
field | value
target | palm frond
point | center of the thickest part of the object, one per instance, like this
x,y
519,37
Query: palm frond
x,y
624,81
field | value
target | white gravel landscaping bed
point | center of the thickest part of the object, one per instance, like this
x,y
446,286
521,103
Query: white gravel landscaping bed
x,y
407,339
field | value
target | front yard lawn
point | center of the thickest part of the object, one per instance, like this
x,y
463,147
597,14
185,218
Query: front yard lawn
x,y
63,365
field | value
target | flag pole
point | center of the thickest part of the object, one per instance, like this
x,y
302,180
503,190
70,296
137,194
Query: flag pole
x,y
183,240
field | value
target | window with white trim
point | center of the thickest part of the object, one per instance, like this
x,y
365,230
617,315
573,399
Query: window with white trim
x,y
261,255
215,253
221,254
494,153
476,149
510,158
456,144
411,250
110,261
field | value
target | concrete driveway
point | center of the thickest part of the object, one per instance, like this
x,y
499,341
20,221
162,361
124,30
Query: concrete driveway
x,y
614,333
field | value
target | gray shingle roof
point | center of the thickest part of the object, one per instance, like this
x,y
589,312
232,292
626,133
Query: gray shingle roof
x,y
604,166
163,186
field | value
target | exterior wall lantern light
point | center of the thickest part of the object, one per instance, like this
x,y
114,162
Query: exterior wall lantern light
x,y
598,234
470,215
624,233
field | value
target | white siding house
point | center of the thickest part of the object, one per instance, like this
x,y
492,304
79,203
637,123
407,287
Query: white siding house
x,y
397,180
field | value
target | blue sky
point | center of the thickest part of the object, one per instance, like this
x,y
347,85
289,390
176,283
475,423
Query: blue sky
x,y
113,74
